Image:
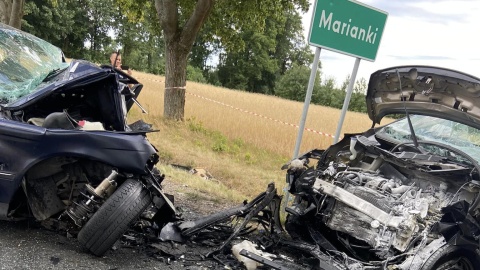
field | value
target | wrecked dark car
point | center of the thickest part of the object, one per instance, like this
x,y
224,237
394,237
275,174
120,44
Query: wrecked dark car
x,y
67,152
402,196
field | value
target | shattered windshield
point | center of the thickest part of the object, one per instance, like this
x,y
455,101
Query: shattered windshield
x,y
427,128
25,61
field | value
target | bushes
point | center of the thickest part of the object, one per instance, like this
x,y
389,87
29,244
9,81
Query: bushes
x,y
293,85
195,74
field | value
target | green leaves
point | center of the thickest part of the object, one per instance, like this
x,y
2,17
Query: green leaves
x,y
293,85
267,53
134,10
63,23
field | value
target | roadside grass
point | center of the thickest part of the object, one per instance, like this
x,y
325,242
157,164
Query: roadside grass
x,y
197,186
241,138
240,171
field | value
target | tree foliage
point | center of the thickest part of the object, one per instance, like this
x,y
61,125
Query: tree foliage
x,y
291,48
103,16
293,84
70,24
141,42
267,54
195,74
42,19
254,68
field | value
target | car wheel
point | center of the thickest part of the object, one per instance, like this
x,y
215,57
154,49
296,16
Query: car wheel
x,y
114,217
451,258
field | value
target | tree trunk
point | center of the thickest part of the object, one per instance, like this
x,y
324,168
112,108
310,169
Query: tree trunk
x,y
17,14
149,62
5,11
65,46
175,80
11,12
178,44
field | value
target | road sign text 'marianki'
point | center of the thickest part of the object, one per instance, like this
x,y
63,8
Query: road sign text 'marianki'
x,y
347,27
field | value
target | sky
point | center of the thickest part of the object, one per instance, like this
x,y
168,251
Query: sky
x,y
418,32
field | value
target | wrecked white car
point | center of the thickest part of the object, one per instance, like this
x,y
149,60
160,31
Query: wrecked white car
x,y
402,196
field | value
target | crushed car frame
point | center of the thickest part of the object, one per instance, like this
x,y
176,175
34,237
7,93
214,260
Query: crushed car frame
x,y
67,152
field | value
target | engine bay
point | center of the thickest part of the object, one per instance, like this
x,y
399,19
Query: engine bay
x,y
373,202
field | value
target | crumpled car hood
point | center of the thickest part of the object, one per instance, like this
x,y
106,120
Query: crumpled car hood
x,y
426,90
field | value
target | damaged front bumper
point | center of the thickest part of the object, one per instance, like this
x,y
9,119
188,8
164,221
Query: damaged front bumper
x,y
264,209
457,229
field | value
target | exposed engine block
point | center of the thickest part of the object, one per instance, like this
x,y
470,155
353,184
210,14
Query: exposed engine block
x,y
382,212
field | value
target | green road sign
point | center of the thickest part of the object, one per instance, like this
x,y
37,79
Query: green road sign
x,y
347,27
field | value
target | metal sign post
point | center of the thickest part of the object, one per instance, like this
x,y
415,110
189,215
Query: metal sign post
x,y
348,27
346,102
308,97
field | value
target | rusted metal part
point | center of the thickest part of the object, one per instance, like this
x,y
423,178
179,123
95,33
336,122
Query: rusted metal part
x,y
269,195
325,262
190,227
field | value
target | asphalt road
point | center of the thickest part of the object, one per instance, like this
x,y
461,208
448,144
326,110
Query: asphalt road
x,y
25,245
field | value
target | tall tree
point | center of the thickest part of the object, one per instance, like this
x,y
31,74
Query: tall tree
x,y
181,21
11,12
291,48
203,49
103,17
254,68
178,44
268,53
63,23
140,42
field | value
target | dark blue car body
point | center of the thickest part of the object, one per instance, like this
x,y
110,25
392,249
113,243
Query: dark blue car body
x,y
81,91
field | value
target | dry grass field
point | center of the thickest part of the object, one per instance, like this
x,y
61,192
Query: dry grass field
x,y
241,138
232,113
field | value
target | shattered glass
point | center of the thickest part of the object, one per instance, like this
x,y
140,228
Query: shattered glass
x,y
25,62
428,128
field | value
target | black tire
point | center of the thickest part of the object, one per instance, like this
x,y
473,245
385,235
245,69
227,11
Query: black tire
x,y
114,217
451,258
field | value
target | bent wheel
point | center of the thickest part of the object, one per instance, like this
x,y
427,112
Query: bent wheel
x,y
461,263
451,258
114,217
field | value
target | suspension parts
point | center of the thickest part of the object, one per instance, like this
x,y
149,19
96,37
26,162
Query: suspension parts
x,y
80,209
